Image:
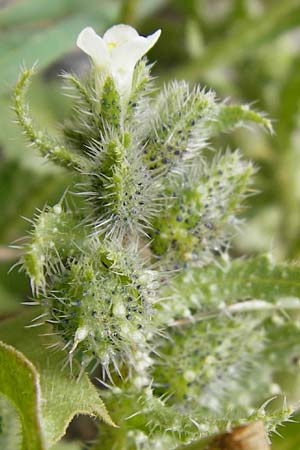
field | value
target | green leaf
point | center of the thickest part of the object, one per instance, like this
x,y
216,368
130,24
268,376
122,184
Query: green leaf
x,y
237,285
229,117
19,381
10,426
37,382
48,146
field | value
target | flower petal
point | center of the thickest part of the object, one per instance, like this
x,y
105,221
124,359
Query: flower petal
x,y
153,38
128,53
124,58
116,53
123,80
94,46
119,34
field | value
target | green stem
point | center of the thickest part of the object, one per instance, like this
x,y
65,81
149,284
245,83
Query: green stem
x,y
47,146
286,162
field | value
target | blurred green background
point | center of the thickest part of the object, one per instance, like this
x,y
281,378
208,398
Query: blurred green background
x,y
246,50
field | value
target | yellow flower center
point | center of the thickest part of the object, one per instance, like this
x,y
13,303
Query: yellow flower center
x,y
111,45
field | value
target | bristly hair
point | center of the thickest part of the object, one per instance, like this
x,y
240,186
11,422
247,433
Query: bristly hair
x,y
134,274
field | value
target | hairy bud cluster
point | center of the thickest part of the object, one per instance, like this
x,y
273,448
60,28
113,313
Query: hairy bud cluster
x,y
156,201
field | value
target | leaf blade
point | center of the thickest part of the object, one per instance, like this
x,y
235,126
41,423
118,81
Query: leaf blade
x,y
15,371
58,386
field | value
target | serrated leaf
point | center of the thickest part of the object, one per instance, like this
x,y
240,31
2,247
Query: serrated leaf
x,y
55,395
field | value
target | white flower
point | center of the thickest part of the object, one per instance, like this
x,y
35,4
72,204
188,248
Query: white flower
x,y
117,53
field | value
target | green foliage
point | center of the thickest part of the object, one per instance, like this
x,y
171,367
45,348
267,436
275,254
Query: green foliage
x,y
10,426
49,243
141,272
121,184
92,265
195,225
13,362
210,373
230,282
48,147
36,383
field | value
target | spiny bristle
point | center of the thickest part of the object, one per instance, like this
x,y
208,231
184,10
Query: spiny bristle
x,y
132,268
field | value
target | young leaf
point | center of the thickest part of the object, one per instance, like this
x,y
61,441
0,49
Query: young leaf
x,y
47,146
228,117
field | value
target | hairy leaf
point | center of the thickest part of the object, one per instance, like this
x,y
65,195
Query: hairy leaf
x,y
228,117
44,391
10,426
19,381
241,285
